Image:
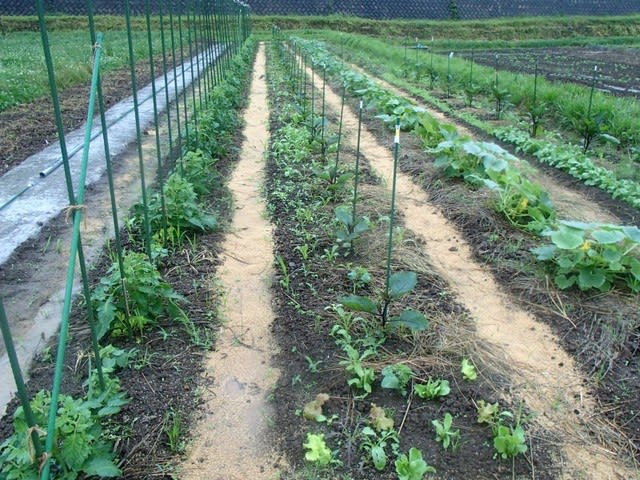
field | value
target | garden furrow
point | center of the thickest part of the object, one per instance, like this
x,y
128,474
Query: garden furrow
x,y
543,374
229,440
569,203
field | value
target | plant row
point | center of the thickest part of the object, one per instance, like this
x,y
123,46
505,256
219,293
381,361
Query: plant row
x,y
600,261
319,195
569,105
587,119
133,298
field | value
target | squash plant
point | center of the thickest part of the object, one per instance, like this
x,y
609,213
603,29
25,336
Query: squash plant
x,y
592,255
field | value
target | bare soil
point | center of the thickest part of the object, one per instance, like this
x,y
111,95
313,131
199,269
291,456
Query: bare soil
x,y
618,67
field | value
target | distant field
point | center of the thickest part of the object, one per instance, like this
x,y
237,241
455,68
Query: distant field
x,y
23,74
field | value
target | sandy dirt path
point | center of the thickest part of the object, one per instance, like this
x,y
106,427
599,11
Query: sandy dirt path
x,y
543,374
229,442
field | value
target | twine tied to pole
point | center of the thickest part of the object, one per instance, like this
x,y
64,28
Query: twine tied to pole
x,y
31,448
43,461
71,209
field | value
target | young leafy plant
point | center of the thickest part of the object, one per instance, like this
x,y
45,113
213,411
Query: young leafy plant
x,y
349,229
375,444
536,113
79,447
432,389
468,370
412,466
501,97
360,277
592,255
524,203
509,441
182,210
445,434
126,304
362,377
400,283
317,450
397,377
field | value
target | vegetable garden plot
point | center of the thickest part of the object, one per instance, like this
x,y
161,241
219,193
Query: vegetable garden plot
x,y
619,67
312,276
149,302
593,347
578,130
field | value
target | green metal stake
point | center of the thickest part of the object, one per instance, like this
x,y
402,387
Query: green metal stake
x,y
197,52
134,91
593,89
357,175
322,118
17,376
175,87
159,177
335,168
449,78
535,82
313,98
166,79
193,79
67,173
304,91
66,309
431,72
184,82
396,150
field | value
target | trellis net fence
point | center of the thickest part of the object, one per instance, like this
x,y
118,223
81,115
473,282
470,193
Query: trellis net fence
x,y
377,9
190,54
444,9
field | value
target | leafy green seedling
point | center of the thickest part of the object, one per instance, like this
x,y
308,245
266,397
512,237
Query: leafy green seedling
x,y
349,229
396,377
80,446
445,434
317,450
509,441
400,283
412,467
432,389
376,443
378,418
312,364
146,297
362,377
468,370
360,277
487,412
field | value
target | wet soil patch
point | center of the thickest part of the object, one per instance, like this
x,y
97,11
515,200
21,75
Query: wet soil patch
x,y
618,67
